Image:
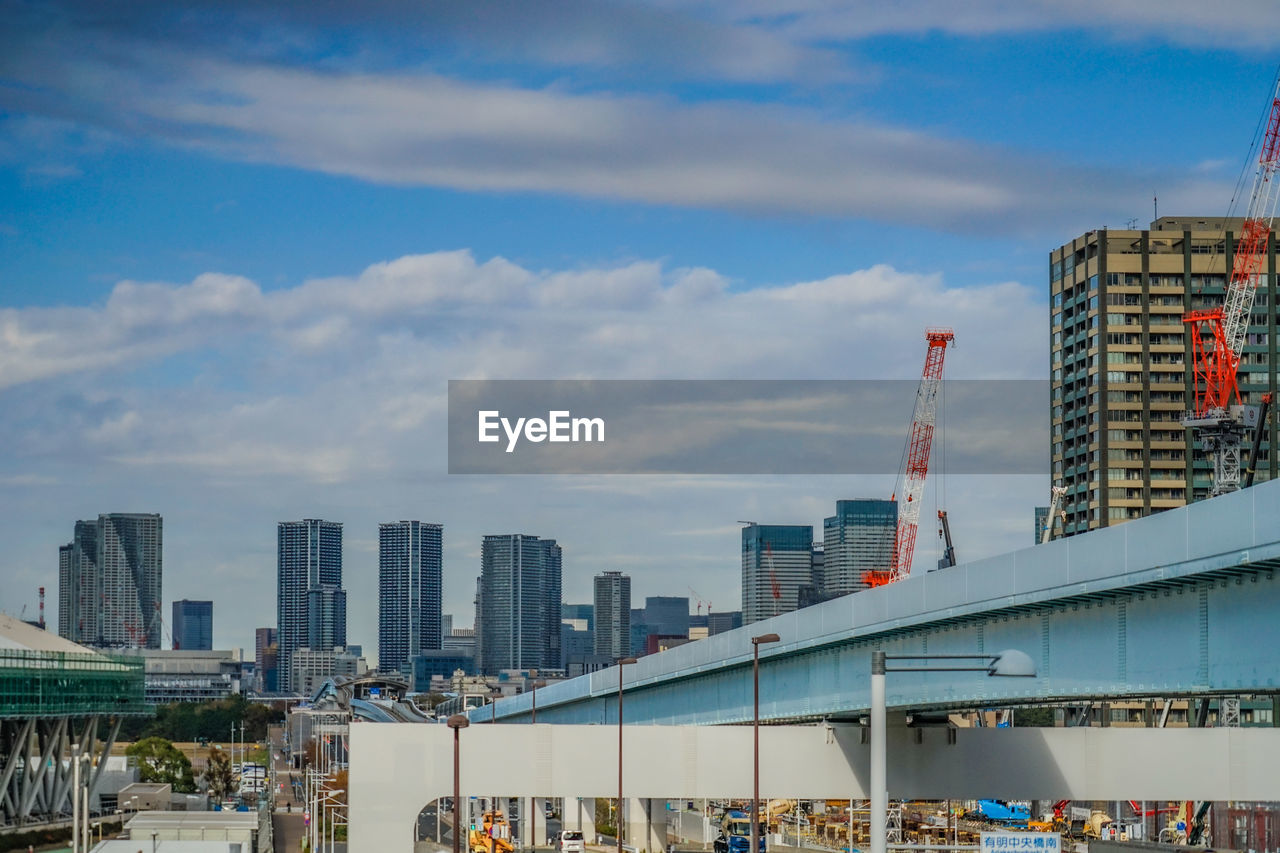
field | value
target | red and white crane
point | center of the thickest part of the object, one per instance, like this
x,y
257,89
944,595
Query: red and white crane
x,y
1218,334
919,445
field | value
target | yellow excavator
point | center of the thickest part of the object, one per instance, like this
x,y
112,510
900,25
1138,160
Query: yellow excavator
x,y
493,836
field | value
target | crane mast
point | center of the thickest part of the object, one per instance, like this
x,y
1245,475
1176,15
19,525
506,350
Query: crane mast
x,y
1218,334
919,446
1055,504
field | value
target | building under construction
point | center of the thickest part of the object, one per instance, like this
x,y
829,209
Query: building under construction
x,y
58,701
1121,358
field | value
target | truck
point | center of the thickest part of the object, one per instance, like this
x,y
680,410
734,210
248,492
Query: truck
x,y
1002,813
735,833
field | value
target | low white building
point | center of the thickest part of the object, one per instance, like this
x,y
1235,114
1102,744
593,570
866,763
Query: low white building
x,y
312,668
182,675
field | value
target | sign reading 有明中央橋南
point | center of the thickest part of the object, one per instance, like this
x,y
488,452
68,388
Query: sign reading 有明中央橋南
x,y
1020,842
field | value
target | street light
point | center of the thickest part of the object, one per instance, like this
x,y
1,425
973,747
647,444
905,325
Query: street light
x,y
617,829
755,734
457,722
1010,663
533,801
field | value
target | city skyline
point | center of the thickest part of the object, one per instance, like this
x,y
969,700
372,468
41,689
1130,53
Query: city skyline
x,y
269,333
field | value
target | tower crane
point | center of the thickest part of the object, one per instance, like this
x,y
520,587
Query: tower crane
x,y
919,445
698,597
1218,334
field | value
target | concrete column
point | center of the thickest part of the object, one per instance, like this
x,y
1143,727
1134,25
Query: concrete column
x,y
523,831
580,814
646,825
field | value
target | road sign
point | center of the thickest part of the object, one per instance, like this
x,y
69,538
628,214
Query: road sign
x,y
1021,842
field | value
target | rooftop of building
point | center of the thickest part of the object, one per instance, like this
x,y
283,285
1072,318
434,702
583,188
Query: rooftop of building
x,y
44,675
17,634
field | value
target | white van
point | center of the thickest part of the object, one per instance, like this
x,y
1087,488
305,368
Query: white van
x,y
571,842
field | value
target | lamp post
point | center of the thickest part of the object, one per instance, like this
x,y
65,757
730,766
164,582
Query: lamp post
x,y
755,736
617,828
533,801
457,722
1009,663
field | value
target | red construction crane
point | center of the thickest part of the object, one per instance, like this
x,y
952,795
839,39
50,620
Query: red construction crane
x,y
919,445
1218,334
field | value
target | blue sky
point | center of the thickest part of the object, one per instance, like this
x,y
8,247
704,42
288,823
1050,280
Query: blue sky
x,y
244,245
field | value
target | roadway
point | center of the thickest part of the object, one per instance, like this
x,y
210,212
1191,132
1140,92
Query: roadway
x,y
1181,603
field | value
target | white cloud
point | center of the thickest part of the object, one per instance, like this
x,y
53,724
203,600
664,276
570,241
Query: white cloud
x,y
427,129
328,399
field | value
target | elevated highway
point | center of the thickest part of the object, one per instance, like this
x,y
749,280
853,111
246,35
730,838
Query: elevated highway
x,y
1182,603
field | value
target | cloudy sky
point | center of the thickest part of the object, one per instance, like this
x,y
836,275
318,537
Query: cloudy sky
x,y
244,246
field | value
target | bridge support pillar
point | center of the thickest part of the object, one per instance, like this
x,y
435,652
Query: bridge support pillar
x,y
580,814
646,825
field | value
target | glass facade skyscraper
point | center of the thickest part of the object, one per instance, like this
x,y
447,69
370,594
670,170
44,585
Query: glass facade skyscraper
x,y
311,606
520,603
776,562
857,539
410,575
192,625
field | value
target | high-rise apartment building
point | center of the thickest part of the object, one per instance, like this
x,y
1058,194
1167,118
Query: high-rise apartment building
x,y
777,560
857,539
192,625
612,613
311,608
1120,364
519,613
109,582
410,575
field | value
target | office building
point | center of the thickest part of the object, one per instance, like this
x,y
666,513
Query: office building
x,y
1042,515
612,612
462,641
726,620
265,652
1120,365
857,539
639,632
190,675
577,636
776,562
667,615
109,582
312,668
409,591
420,669
311,610
519,603
192,626
585,613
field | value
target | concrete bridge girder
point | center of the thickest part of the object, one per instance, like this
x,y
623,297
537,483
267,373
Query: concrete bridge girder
x,y
397,769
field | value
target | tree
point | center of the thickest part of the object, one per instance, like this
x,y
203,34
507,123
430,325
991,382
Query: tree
x,y
1031,717
158,760
218,779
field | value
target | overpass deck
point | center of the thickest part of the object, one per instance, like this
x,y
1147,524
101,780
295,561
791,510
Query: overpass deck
x,y
1180,603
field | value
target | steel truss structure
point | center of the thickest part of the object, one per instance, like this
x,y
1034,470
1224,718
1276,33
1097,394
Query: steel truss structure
x,y
37,756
